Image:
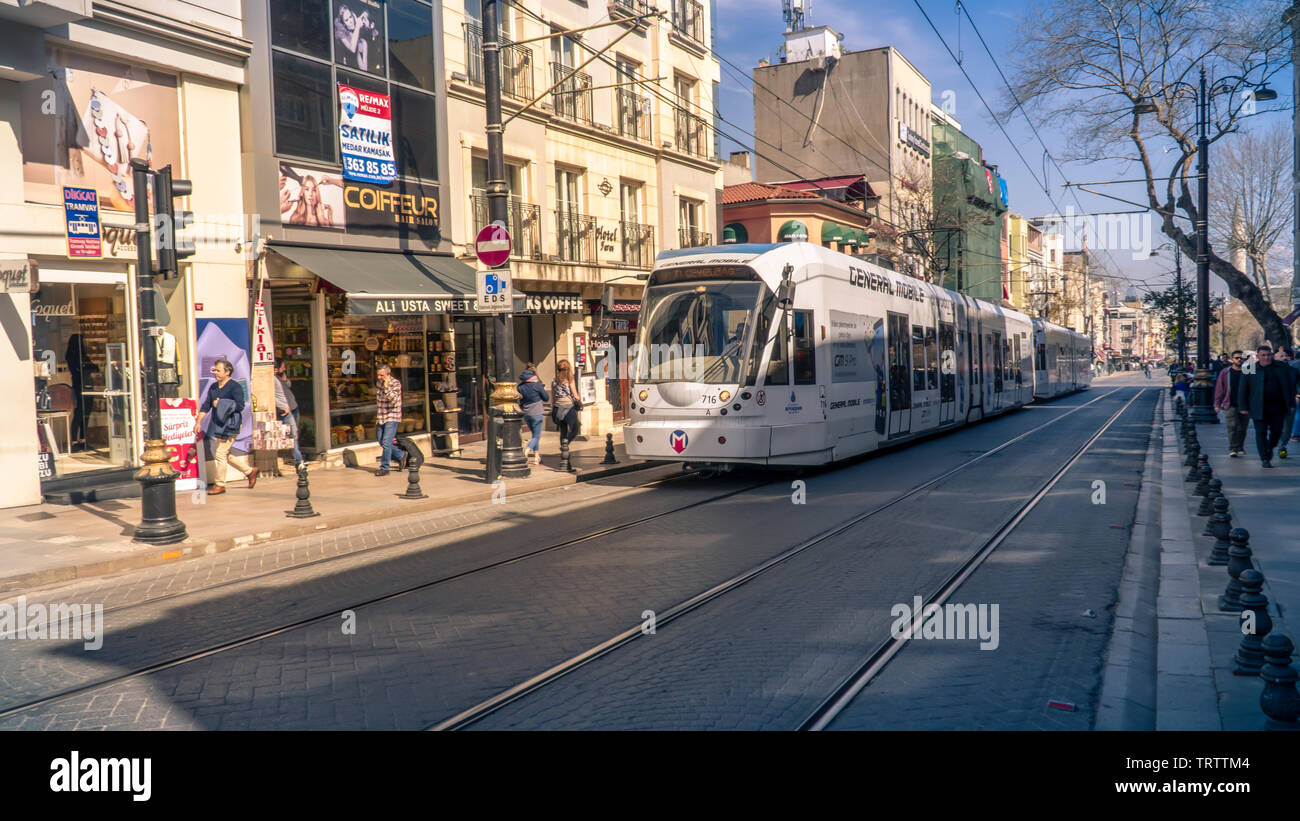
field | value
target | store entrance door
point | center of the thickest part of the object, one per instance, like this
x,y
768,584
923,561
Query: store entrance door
x,y
474,362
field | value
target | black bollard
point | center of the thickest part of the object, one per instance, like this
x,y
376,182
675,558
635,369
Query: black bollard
x,y
1221,522
414,460
1212,492
303,509
1238,561
1250,653
1279,701
1203,483
1193,471
609,450
566,460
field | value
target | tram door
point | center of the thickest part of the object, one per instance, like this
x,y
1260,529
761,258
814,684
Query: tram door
x,y
947,372
900,375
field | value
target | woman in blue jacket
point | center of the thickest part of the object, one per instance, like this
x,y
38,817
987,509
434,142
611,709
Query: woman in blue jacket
x,y
534,397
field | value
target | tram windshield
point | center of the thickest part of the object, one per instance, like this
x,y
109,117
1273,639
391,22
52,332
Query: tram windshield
x,y
698,332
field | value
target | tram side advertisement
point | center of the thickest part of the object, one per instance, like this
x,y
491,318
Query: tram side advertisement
x,y
858,355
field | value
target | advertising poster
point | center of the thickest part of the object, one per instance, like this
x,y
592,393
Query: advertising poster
x,y
312,198
220,339
366,135
263,346
182,446
359,40
100,114
81,223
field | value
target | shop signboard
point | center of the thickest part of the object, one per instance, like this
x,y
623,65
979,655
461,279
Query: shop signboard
x,y
312,198
263,346
366,135
15,277
553,304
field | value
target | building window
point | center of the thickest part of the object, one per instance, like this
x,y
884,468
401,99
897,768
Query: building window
x,y
690,128
415,133
359,39
690,224
410,43
302,26
637,237
304,108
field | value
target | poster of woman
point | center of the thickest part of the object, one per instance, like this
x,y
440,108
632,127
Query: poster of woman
x,y
359,35
311,198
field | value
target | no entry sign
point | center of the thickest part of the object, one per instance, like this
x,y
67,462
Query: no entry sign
x,y
493,245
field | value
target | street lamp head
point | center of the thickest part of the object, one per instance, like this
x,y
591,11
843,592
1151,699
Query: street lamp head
x,y
1144,106
1263,94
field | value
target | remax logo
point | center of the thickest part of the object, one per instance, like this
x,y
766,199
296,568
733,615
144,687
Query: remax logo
x,y
348,98
677,440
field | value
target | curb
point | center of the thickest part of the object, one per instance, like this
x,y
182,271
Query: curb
x,y
194,548
1128,690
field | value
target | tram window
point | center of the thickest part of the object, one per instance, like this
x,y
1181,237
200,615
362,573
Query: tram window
x,y
1019,364
778,369
931,360
762,330
805,360
918,358
996,364
948,378
1040,357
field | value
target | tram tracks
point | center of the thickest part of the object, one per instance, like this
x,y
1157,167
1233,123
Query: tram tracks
x,y
485,708
479,711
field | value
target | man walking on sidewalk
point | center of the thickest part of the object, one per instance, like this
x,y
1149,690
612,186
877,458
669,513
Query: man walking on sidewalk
x,y
1267,395
225,401
1285,357
388,401
286,406
1225,399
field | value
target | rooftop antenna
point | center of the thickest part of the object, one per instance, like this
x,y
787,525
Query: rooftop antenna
x,y
795,11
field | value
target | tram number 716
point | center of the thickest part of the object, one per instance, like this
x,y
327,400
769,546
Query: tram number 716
x,y
709,399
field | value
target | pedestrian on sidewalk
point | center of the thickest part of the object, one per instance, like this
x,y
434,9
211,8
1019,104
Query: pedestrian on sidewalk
x,y
1286,356
1295,427
286,406
533,402
565,403
1266,395
1225,399
388,412
225,401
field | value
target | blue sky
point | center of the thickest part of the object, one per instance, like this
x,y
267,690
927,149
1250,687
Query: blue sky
x,y
748,30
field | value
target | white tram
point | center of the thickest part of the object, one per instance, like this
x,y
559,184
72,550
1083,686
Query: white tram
x,y
791,354
1062,360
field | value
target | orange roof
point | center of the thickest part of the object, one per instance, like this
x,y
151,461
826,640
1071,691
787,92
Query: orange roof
x,y
758,191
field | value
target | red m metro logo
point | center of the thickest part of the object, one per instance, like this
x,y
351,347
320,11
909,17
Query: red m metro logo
x,y
677,440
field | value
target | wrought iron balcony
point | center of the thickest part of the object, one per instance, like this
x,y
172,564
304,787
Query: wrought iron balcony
x,y
524,220
572,97
691,132
688,19
633,115
623,9
692,238
516,64
638,244
575,236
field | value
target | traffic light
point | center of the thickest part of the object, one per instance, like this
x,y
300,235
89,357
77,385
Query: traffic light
x,y
169,221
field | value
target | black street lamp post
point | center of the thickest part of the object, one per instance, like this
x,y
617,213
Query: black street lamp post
x,y
506,415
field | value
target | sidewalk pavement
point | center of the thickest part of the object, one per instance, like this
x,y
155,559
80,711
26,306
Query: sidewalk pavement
x,y
1195,642
46,543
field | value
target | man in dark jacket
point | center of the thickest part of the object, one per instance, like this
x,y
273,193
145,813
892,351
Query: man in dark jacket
x,y
225,401
1266,395
533,397
1226,388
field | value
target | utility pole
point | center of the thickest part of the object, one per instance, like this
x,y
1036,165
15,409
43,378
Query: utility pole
x,y
1291,17
1201,389
506,415
158,522
1181,341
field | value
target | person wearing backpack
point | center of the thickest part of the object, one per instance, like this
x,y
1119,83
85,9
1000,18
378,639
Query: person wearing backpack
x,y
533,399
225,402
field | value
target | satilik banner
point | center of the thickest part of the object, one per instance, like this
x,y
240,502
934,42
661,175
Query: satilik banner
x,y
366,135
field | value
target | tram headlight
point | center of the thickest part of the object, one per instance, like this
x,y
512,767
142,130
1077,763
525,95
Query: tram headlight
x,y
643,395
724,396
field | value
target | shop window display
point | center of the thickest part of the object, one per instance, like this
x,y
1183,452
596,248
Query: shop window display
x,y
292,324
356,347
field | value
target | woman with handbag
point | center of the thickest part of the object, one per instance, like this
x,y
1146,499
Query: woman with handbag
x,y
565,403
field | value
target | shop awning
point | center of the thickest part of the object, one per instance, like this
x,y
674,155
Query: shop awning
x,y
792,231
379,283
832,232
733,233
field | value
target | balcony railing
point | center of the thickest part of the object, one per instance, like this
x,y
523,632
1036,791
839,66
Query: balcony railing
x,y
523,219
692,238
633,114
572,97
638,244
575,236
629,8
688,19
691,133
516,64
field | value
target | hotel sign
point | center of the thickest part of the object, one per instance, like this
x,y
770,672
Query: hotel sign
x,y
913,139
